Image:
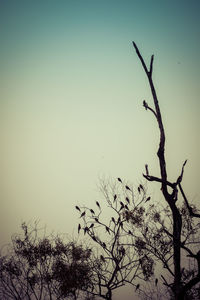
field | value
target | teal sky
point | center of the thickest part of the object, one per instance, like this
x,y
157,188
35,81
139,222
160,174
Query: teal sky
x,y
71,92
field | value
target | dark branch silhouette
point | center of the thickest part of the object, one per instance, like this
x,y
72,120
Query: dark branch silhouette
x,y
179,288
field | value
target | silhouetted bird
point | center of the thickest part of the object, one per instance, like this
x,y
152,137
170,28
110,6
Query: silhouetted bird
x,y
104,245
113,220
102,258
138,189
149,198
107,229
96,220
127,199
115,197
92,225
94,238
119,179
77,208
79,227
156,281
97,203
145,104
141,186
92,211
86,229
137,287
127,187
122,251
122,204
147,170
82,215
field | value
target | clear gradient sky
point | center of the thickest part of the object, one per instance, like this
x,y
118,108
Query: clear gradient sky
x,y
71,92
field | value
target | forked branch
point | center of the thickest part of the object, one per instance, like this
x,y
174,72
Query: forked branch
x,y
157,113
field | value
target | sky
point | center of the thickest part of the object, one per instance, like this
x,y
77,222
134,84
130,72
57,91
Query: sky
x,y
71,93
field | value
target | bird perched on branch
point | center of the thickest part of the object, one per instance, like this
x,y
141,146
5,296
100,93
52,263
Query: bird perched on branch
x,y
122,204
141,186
127,199
147,170
137,287
107,229
119,179
149,198
145,104
104,245
122,251
83,214
94,238
102,258
77,208
97,203
127,187
79,227
113,220
86,229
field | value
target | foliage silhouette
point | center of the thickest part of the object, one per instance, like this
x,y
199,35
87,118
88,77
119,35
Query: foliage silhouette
x,y
113,231
41,267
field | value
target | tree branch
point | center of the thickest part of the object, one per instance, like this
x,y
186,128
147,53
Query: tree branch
x,y
151,65
161,149
141,58
154,178
192,214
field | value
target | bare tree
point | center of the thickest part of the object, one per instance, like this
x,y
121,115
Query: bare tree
x,y
41,267
180,240
117,259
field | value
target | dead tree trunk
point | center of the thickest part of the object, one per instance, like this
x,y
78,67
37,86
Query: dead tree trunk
x,y
169,191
